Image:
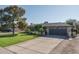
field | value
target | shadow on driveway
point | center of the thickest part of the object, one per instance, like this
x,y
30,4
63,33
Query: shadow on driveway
x,y
56,36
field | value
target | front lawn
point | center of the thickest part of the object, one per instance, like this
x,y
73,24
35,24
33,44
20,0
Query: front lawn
x,y
7,40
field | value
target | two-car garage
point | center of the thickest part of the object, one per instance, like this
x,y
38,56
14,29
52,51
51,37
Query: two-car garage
x,y
59,29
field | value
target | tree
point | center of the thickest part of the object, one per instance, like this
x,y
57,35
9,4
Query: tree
x,y
22,25
74,29
71,21
15,12
7,20
37,27
41,30
1,16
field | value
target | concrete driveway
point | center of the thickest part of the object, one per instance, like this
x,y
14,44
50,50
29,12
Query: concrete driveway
x,y
67,47
40,45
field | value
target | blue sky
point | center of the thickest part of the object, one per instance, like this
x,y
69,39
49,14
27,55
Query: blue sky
x,y
50,13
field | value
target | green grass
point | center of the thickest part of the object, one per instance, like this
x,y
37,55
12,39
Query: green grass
x,y
7,40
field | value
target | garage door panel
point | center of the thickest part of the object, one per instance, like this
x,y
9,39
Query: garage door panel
x,y
62,32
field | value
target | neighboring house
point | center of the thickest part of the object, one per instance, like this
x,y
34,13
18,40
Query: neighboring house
x,y
60,29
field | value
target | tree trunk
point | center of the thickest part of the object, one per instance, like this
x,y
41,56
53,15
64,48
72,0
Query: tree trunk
x,y
13,28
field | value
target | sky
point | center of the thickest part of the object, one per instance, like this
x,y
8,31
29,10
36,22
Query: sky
x,y
51,13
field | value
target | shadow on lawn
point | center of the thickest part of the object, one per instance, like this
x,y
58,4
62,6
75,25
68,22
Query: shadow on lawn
x,y
8,35
20,34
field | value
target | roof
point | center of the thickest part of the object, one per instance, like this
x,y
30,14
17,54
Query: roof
x,y
56,24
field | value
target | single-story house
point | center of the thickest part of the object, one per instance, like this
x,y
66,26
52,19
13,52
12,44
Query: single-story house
x,y
60,29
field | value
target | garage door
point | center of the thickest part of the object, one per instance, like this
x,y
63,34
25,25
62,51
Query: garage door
x,y
62,32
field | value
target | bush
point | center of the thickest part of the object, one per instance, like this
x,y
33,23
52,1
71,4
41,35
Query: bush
x,y
28,31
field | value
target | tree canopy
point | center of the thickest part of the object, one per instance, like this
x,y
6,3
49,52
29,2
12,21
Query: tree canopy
x,y
12,14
